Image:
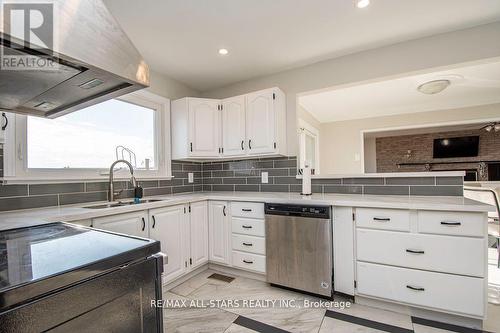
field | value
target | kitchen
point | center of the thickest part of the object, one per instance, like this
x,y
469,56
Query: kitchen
x,y
141,176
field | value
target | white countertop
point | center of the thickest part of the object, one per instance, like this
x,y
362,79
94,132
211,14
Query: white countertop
x,y
20,218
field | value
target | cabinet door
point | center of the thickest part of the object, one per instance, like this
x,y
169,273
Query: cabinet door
x,y
168,225
134,224
233,126
261,122
204,127
218,231
199,234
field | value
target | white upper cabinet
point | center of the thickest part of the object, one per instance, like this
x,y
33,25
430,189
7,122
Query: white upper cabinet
x,y
233,126
195,128
248,125
204,130
261,122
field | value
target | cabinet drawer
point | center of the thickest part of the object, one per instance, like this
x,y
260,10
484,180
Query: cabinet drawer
x,y
248,226
452,223
253,210
249,261
387,219
460,294
249,244
458,255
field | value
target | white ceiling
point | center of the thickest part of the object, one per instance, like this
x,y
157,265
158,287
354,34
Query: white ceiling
x,y
470,86
180,38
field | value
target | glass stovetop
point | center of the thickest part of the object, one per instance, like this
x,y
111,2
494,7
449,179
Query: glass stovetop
x,y
34,253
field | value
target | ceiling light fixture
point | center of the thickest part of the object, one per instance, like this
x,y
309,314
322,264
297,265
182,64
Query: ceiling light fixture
x,y
223,51
362,3
433,87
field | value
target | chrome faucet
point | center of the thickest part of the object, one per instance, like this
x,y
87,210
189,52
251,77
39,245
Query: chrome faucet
x,y
112,192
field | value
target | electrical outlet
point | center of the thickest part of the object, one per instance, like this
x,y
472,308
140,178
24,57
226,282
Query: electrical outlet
x,y
265,177
190,177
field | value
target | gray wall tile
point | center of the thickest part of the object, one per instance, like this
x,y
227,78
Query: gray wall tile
x,y
386,190
410,181
234,180
157,191
274,188
74,198
13,190
449,180
28,202
182,189
343,189
437,190
223,187
251,188
363,181
55,188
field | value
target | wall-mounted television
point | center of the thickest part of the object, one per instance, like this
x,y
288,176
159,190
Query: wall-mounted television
x,y
465,146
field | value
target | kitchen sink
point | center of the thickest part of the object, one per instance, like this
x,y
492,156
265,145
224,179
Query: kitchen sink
x,y
123,203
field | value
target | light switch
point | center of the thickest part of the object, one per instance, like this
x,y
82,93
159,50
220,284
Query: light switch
x,y
357,157
190,177
265,177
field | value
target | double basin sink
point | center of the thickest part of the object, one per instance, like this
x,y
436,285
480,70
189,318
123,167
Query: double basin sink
x,y
123,203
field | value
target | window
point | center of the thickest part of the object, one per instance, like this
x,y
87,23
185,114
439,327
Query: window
x,y
83,144
308,146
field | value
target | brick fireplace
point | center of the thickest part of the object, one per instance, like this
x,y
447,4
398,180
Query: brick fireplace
x,y
413,153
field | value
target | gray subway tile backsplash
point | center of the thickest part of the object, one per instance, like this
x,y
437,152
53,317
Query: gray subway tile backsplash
x,y
386,190
75,198
238,175
56,188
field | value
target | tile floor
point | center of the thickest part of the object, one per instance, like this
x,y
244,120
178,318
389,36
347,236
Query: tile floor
x,y
225,318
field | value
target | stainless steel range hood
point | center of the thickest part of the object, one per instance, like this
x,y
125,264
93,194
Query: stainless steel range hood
x,y
95,61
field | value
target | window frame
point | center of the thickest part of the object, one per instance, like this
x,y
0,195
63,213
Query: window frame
x,y
15,150
304,129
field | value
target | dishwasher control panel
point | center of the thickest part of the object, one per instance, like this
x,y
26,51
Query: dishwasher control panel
x,y
322,212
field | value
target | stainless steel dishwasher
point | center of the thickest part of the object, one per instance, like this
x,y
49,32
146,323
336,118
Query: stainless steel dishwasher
x,y
299,247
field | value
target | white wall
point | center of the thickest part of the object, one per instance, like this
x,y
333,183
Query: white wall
x,y
407,58
164,86
307,117
370,154
342,139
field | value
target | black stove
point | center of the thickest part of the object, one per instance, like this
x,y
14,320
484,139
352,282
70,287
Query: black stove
x,y
38,264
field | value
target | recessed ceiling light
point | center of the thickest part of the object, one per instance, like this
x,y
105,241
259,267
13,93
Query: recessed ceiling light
x,y
223,51
362,3
433,87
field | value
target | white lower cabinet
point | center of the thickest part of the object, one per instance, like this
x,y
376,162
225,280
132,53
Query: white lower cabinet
x,y
182,232
199,233
248,236
447,254
135,224
452,293
430,259
219,231
169,226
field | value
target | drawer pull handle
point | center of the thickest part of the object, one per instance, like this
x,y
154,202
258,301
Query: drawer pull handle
x,y
415,251
143,224
415,288
247,261
247,244
247,226
246,209
451,224
381,219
